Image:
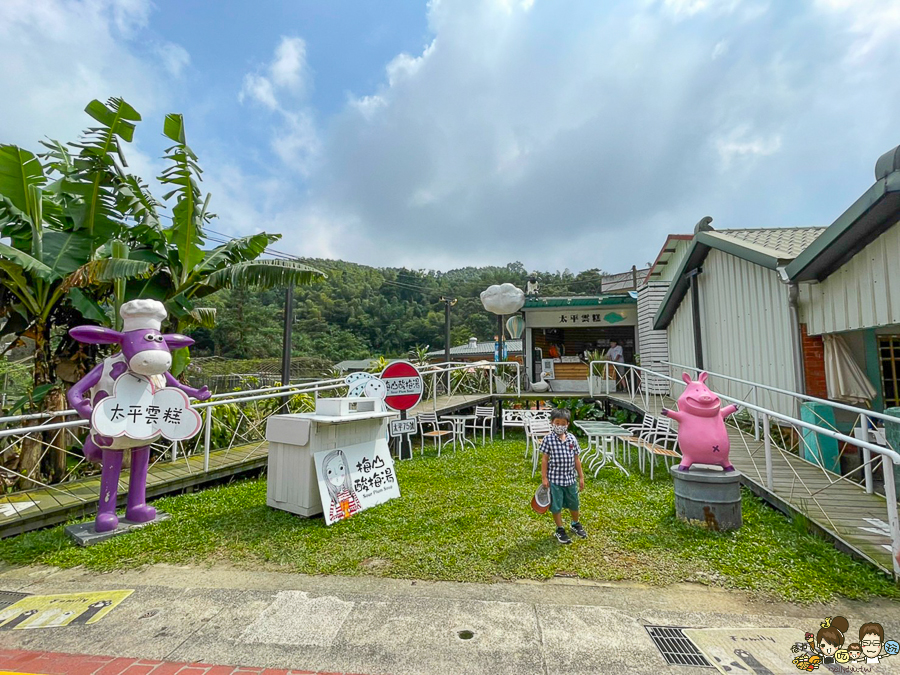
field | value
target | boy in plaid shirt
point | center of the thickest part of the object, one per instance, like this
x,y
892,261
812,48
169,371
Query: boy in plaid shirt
x,y
560,466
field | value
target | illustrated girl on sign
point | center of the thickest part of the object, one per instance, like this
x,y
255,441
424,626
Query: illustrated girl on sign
x,y
344,502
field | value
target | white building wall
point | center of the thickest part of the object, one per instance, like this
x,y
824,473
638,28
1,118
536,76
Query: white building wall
x,y
864,293
667,272
652,344
680,333
746,329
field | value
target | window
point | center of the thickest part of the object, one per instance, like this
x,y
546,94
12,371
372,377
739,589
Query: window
x,y
889,356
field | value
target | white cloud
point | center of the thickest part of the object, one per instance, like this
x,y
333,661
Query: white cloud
x,y
873,23
260,89
175,58
742,143
58,55
579,135
297,142
281,89
288,70
720,49
689,8
287,74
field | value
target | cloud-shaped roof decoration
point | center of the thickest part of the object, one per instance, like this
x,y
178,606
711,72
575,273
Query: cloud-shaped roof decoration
x,y
503,299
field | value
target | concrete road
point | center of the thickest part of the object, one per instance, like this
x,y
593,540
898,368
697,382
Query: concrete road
x,y
369,625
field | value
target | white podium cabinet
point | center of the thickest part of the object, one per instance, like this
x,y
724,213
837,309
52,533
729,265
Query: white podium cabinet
x,y
294,439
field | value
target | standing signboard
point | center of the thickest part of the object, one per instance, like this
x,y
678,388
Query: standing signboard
x,y
404,386
355,478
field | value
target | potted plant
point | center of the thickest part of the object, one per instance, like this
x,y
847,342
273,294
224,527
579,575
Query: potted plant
x,y
602,380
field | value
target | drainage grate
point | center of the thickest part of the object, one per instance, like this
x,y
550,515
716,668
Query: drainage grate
x,y
8,598
676,648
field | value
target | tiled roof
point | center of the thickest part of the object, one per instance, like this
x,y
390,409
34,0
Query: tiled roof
x,y
784,242
480,349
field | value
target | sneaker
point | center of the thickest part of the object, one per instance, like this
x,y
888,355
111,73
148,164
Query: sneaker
x,y
561,536
578,529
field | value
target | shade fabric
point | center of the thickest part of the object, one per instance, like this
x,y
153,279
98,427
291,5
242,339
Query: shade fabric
x,y
845,380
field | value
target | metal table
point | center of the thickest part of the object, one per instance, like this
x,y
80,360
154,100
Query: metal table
x,y
460,424
603,440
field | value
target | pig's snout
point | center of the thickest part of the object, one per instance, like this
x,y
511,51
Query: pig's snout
x,y
151,362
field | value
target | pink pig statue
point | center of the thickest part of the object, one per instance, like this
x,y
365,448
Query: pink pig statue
x,y
702,437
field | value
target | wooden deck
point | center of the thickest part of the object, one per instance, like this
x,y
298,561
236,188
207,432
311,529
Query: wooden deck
x,y
446,405
840,513
79,498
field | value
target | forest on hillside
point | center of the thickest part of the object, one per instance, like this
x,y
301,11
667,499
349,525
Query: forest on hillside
x,y
360,312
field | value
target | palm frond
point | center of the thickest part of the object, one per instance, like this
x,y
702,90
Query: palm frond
x,y
27,262
264,274
189,214
199,317
97,171
107,269
135,200
19,170
87,306
243,249
59,158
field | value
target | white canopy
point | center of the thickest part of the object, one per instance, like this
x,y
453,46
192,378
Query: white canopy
x,y
845,380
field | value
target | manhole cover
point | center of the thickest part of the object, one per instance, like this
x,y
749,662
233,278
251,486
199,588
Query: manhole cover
x,y
676,648
8,598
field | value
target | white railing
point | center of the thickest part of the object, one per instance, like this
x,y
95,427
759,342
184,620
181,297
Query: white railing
x,y
233,421
763,417
863,415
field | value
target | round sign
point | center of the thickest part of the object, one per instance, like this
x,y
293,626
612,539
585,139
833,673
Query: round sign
x,y
404,385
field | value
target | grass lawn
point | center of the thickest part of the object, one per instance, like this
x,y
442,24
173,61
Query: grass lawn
x,y
466,516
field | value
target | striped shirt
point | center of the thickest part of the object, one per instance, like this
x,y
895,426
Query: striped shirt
x,y
561,459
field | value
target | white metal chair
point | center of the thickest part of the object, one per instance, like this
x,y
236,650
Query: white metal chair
x,y
661,440
437,433
535,431
641,433
484,422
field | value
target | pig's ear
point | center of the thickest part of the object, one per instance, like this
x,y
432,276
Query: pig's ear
x,y
177,341
686,378
96,335
703,377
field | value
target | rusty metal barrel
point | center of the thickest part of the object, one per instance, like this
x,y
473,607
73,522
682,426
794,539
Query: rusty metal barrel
x,y
708,498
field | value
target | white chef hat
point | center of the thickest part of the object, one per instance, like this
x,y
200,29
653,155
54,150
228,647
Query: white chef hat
x,y
141,314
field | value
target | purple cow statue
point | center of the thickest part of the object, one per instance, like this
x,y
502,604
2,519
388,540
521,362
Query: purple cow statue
x,y
145,351
702,436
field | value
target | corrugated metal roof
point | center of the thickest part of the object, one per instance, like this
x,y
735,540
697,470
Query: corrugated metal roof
x,y
783,242
480,349
767,247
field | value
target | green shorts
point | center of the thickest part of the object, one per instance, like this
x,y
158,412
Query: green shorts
x,y
563,497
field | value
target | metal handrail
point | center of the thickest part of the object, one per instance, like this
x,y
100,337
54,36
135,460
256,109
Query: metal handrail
x,y
241,397
895,457
794,394
300,388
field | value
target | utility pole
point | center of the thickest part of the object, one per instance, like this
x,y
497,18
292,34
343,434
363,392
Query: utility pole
x,y
448,303
288,330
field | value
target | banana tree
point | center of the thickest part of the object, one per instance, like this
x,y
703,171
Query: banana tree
x,y
54,270
186,270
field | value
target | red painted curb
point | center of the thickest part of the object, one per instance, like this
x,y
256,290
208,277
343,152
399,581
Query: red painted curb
x,y
55,663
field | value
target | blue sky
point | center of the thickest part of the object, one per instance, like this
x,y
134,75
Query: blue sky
x,y
467,132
